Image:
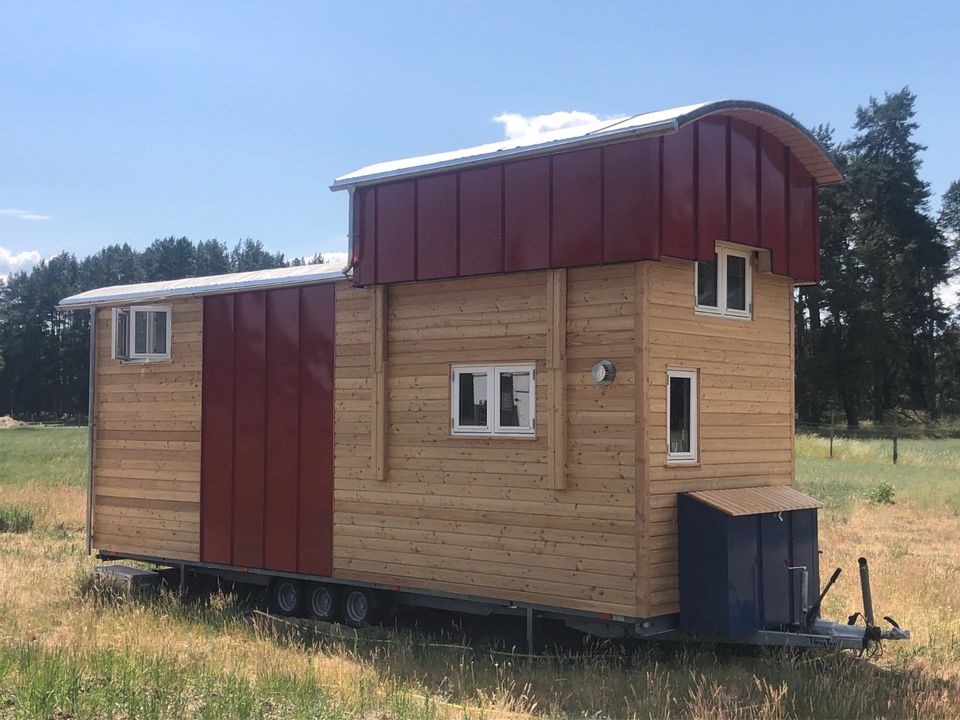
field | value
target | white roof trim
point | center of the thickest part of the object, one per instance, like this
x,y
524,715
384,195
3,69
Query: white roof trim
x,y
233,282
661,122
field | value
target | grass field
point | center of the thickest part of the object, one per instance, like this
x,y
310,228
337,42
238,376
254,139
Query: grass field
x,y
69,651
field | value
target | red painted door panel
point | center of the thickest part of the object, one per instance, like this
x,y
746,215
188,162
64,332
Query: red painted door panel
x,y
576,209
437,227
526,210
283,421
267,468
631,201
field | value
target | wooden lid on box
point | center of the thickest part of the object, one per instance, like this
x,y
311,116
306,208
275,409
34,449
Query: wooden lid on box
x,y
756,500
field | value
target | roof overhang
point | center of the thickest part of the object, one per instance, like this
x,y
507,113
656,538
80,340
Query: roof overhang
x,y
209,285
807,149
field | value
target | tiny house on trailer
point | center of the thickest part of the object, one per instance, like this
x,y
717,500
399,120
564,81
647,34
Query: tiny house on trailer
x,y
556,377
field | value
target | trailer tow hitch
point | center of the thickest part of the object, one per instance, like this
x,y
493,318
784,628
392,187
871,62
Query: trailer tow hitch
x,y
873,632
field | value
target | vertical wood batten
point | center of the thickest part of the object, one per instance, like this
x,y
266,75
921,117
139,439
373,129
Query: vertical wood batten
x,y
642,450
378,363
556,376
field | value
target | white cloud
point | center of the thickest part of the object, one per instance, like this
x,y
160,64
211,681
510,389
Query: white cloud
x,y
11,261
516,125
24,214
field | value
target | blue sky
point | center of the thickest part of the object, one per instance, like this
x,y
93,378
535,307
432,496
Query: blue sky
x,y
124,122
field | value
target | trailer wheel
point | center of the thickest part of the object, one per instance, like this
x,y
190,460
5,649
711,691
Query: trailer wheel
x,y
322,602
359,607
286,597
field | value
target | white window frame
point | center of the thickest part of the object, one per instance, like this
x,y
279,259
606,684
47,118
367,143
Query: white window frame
x,y
493,428
723,252
692,457
132,355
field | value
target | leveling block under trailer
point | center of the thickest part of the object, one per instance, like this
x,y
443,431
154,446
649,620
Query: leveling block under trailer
x,y
290,595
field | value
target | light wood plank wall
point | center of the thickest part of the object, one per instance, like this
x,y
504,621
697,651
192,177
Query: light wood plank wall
x,y
483,516
746,406
146,473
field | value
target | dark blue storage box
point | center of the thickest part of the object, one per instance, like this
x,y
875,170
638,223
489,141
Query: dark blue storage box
x,y
734,550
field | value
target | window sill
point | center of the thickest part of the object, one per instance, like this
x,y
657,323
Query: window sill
x,y
716,314
144,361
682,463
495,436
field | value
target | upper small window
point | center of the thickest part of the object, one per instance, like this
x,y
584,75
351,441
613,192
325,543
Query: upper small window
x,y
723,285
493,400
142,333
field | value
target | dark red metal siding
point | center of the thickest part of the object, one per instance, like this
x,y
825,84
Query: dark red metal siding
x,y
743,183
719,178
711,185
576,223
216,496
267,470
437,227
481,221
316,359
283,396
678,211
773,208
249,420
396,247
631,201
526,210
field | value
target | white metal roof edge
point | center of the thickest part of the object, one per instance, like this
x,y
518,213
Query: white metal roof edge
x,y
661,122
164,290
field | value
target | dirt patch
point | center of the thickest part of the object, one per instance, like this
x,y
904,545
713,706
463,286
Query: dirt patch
x,y
8,422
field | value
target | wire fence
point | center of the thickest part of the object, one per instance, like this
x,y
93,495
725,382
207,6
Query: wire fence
x,y
892,433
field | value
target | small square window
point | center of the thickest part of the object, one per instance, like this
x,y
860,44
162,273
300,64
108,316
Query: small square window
x,y
142,333
723,286
682,416
493,400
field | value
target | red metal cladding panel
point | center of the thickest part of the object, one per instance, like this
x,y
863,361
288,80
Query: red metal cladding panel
x,y
437,227
526,211
631,201
711,185
816,231
365,240
315,522
803,215
678,211
283,421
743,183
249,421
773,204
481,221
396,244
216,475
576,209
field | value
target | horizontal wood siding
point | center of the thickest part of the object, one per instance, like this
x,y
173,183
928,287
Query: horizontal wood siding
x,y
146,472
746,406
481,516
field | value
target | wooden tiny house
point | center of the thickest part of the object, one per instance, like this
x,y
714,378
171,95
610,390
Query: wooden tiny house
x,y
536,347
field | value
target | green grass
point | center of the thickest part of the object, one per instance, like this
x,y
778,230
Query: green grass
x,y
47,456
927,472
15,519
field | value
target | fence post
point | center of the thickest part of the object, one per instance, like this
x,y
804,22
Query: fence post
x,y
895,445
833,419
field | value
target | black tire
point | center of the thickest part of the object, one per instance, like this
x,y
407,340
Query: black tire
x,y
322,602
358,607
286,597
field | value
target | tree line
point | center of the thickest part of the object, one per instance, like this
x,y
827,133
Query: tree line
x,y
874,339
44,353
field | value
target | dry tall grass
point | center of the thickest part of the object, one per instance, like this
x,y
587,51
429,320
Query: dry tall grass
x,y
67,652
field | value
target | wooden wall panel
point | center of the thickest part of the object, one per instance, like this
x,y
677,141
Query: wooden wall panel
x,y
746,405
480,516
146,473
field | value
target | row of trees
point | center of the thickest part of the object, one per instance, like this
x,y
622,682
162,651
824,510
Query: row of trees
x,y
874,338
44,353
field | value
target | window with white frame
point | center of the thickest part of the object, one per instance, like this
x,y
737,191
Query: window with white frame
x,y
682,416
723,286
493,400
142,333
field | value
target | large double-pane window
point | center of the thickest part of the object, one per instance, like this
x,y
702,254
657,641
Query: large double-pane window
x,y
493,400
724,284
